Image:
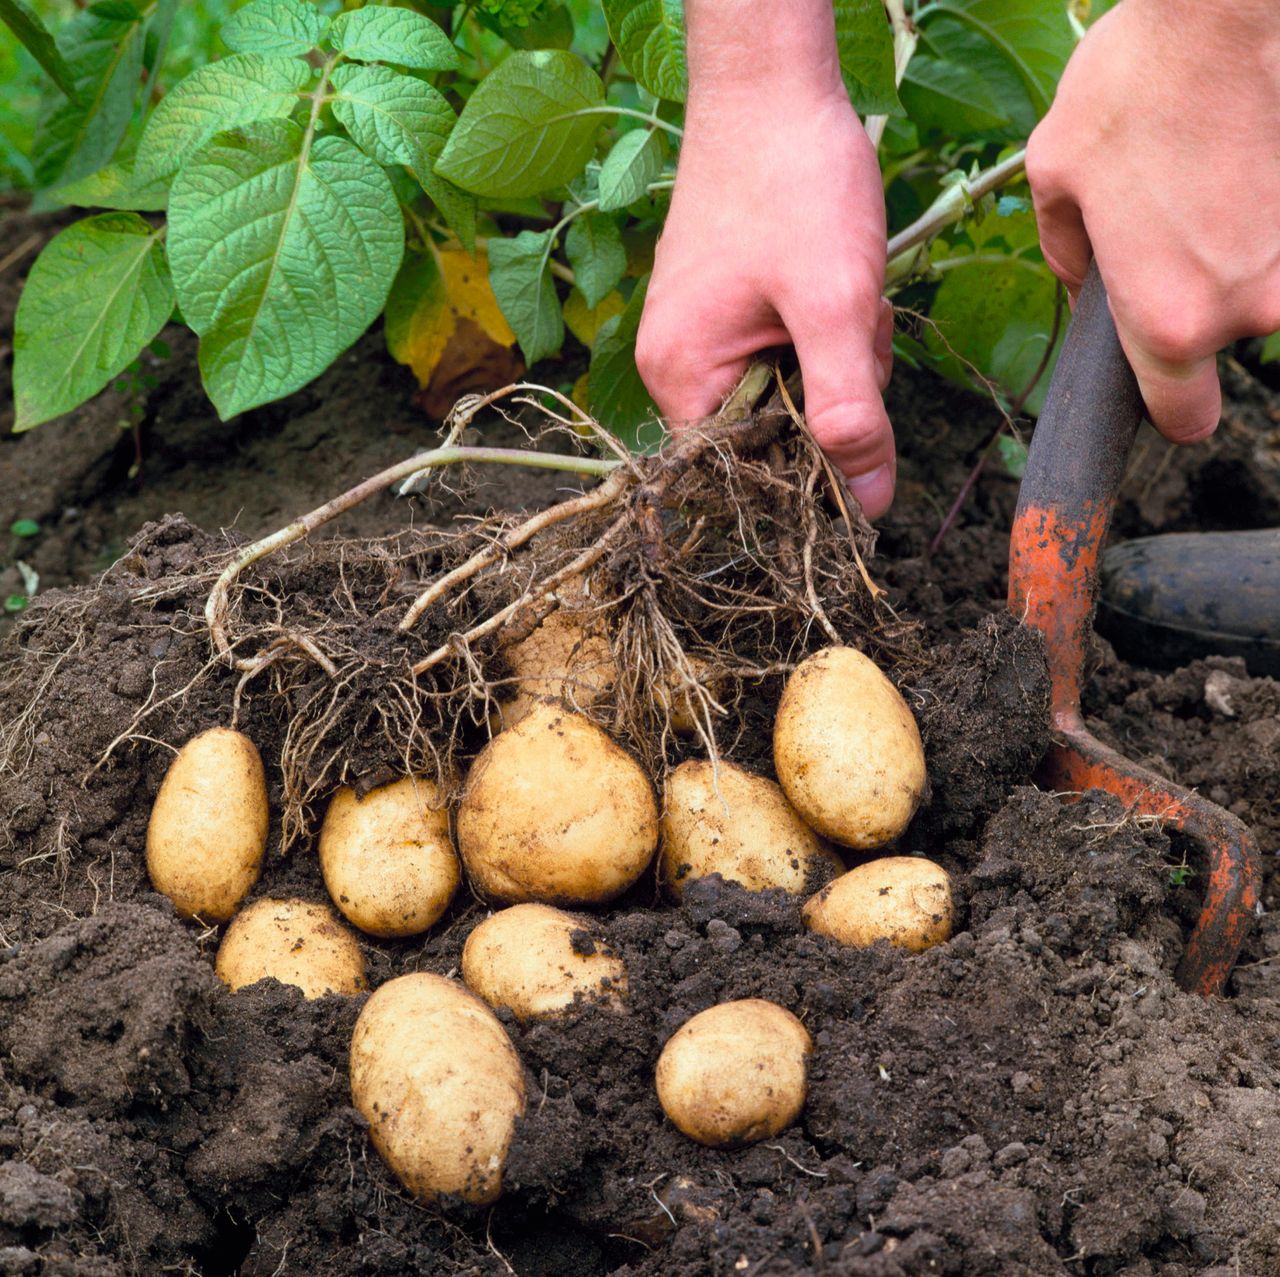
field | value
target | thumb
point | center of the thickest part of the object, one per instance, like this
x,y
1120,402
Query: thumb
x,y
1182,396
843,407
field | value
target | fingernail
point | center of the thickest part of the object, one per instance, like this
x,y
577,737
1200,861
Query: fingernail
x,y
873,491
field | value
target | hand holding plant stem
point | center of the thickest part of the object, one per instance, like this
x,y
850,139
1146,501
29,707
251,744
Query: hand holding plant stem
x,y
776,235
1161,164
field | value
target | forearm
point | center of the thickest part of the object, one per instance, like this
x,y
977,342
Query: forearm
x,y
743,50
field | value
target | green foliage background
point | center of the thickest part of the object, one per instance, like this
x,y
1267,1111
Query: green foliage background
x,y
303,153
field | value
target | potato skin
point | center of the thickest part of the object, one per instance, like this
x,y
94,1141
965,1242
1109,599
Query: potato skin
x,y
561,660
524,958
440,1084
387,858
208,828
905,900
847,750
555,811
747,832
297,942
735,1073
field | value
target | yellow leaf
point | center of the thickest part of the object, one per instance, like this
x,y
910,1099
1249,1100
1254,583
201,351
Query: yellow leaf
x,y
584,323
579,396
431,293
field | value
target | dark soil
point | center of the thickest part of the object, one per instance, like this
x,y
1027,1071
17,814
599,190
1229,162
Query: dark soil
x,y
1035,1097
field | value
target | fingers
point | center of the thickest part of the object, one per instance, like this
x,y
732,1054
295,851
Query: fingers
x,y
845,359
1063,238
1179,385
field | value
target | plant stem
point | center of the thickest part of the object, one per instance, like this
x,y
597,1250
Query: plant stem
x,y
646,116
950,206
904,46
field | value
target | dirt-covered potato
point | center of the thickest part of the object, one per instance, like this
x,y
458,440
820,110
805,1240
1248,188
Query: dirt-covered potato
x,y
440,1084
735,1073
847,750
729,821
563,659
387,858
905,900
553,810
535,959
297,942
208,828
678,700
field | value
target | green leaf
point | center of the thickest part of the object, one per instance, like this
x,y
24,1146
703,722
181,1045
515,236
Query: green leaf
x,y
95,297
998,317
951,97
554,30
78,136
521,132
117,186
24,528
615,393
239,89
285,28
277,296
1013,455
865,41
375,34
15,602
635,161
650,38
594,248
34,36
1271,349
522,284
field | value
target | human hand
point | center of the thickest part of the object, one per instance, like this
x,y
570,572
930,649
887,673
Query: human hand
x,y
1159,158
776,235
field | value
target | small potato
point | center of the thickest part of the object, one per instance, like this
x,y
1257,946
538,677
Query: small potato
x,y
736,1073
563,659
208,828
677,698
535,959
440,1084
847,750
555,811
297,942
905,900
387,858
745,831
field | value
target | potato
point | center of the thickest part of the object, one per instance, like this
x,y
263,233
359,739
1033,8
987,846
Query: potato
x,y
563,659
555,811
745,830
440,1084
208,828
735,1073
297,942
905,900
387,858
534,959
674,695
847,750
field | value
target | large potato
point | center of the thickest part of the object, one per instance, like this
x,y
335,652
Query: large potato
x,y
208,828
387,858
536,960
297,942
905,900
555,811
847,750
735,1073
740,826
563,659
440,1084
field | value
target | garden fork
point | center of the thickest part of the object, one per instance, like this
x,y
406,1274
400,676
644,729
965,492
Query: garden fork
x,y
1077,459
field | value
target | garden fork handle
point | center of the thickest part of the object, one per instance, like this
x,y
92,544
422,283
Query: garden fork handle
x,y
1077,460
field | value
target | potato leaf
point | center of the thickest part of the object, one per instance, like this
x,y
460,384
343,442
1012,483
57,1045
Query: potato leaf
x,y
95,297
116,185
594,248
35,37
239,89
530,125
650,38
522,284
865,42
616,395
281,28
276,297
635,161
584,321
400,36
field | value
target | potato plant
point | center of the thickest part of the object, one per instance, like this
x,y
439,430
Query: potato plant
x,y
278,175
